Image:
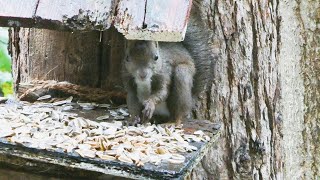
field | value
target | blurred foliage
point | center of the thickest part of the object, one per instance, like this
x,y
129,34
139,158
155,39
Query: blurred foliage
x,y
5,64
7,88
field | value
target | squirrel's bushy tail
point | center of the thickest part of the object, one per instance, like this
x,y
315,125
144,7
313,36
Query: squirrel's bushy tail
x,y
197,41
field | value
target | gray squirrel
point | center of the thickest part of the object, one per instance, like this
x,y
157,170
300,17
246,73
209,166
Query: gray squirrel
x,y
164,78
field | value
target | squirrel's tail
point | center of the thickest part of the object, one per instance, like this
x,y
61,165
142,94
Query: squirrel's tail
x,y
197,41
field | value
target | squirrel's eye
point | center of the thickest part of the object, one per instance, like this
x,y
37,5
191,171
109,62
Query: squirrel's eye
x,y
156,58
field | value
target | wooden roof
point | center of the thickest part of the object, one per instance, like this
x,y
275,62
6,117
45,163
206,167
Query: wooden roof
x,y
164,20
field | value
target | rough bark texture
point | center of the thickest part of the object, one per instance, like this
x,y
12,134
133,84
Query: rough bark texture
x,y
308,19
265,89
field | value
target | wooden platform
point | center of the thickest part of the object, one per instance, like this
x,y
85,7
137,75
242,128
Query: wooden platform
x,y
60,164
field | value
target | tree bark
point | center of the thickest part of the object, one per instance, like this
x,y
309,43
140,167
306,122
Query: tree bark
x,y
265,91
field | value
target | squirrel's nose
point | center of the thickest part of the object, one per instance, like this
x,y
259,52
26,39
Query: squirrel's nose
x,y
143,74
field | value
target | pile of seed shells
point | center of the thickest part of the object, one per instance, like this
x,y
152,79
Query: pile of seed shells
x,y
49,126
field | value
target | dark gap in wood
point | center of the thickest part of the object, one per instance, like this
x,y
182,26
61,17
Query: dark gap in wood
x,y
100,63
35,11
16,40
115,11
144,25
105,59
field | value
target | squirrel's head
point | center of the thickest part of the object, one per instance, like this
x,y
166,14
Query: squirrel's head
x,y
142,59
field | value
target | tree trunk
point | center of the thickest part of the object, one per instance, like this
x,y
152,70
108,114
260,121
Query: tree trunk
x,y
265,91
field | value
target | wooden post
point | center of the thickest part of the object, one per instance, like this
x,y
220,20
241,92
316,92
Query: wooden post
x,y
64,56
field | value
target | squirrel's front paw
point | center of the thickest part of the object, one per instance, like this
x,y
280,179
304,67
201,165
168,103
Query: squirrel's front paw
x,y
148,110
133,121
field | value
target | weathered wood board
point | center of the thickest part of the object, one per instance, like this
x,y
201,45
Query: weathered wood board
x,y
58,162
56,55
164,20
137,19
75,14
16,13
63,164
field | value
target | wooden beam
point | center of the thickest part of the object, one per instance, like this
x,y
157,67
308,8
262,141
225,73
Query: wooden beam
x,y
164,20
15,13
75,14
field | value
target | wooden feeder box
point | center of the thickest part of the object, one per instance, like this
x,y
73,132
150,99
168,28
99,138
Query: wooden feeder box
x,y
164,20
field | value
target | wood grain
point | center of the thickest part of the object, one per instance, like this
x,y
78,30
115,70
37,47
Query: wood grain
x,y
16,13
162,20
136,19
130,15
75,14
52,55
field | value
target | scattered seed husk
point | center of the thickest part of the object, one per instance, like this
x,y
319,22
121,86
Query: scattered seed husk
x,y
124,158
199,132
100,118
6,133
113,113
123,112
104,105
45,97
87,106
119,117
86,153
67,108
174,161
104,156
49,126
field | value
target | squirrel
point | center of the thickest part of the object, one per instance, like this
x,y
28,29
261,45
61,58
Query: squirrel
x,y
158,79
165,78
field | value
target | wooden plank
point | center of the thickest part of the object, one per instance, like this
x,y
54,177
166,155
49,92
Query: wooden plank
x,y
60,55
75,14
164,20
17,13
130,15
113,43
167,13
55,161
